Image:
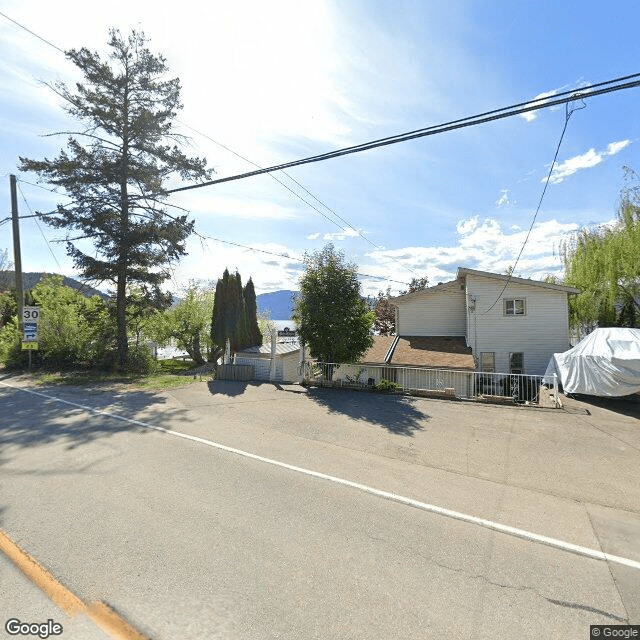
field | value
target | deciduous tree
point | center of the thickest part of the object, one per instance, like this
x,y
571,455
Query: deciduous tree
x,y
385,312
330,312
416,284
605,264
188,323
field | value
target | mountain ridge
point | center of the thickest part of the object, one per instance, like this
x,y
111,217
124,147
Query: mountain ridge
x,y
31,278
279,304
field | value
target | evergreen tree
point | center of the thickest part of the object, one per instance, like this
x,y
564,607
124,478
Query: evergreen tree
x,y
254,335
115,168
234,317
219,323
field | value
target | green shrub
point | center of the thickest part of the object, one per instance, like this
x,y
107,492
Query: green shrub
x,y
140,360
387,385
11,355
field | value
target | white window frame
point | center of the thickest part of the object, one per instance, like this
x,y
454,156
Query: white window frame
x,y
514,307
511,367
483,367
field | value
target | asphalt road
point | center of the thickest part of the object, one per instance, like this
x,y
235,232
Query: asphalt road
x,y
187,540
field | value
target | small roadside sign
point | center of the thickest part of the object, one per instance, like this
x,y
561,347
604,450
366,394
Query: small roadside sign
x,y
30,314
30,318
29,346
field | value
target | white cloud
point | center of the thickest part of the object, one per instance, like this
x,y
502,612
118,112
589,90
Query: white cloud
x,y
584,161
503,199
530,116
482,245
467,226
341,235
615,147
313,236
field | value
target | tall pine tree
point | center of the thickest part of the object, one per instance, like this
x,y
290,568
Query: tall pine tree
x,y
114,170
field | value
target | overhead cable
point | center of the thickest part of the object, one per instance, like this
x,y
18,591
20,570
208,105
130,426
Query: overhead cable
x,y
33,215
568,114
292,258
4,15
488,116
346,222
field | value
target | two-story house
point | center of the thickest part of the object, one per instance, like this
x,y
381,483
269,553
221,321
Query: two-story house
x,y
510,325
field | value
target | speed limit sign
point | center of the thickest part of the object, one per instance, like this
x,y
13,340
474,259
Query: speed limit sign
x,y
30,314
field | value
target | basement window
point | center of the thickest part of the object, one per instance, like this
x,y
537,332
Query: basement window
x,y
487,361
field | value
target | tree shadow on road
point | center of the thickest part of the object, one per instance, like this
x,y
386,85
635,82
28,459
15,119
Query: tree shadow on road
x,y
33,417
397,414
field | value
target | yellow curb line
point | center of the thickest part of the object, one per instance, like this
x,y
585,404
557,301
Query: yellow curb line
x,y
98,612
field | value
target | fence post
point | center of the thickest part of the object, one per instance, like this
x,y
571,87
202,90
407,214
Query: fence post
x,y
556,399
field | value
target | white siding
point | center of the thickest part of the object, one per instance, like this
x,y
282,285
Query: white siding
x,y
261,365
433,313
286,366
542,331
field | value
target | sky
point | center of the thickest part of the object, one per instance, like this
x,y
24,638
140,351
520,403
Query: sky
x,y
275,82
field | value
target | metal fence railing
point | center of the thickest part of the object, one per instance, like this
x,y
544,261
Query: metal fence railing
x,y
521,388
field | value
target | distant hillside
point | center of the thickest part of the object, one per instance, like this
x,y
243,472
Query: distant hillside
x,y
279,304
30,280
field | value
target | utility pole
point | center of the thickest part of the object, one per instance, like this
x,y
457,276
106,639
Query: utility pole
x,y
17,259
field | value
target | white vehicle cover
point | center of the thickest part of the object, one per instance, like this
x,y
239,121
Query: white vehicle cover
x,y
605,363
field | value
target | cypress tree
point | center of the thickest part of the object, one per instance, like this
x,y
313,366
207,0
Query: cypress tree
x,y
254,334
236,325
218,318
235,314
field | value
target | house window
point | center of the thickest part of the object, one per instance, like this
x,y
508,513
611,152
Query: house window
x,y
516,362
488,361
514,307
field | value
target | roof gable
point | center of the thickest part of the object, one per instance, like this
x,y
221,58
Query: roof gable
x,y
463,273
442,287
455,285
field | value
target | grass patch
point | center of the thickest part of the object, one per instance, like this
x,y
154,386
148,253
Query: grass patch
x,y
170,374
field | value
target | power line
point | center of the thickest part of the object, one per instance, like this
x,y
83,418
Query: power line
x,y
568,114
231,151
496,114
346,222
292,258
482,118
202,236
39,228
39,186
4,15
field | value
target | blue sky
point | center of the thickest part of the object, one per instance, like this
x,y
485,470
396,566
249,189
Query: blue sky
x,y
284,80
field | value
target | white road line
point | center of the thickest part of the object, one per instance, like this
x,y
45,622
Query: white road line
x,y
424,506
